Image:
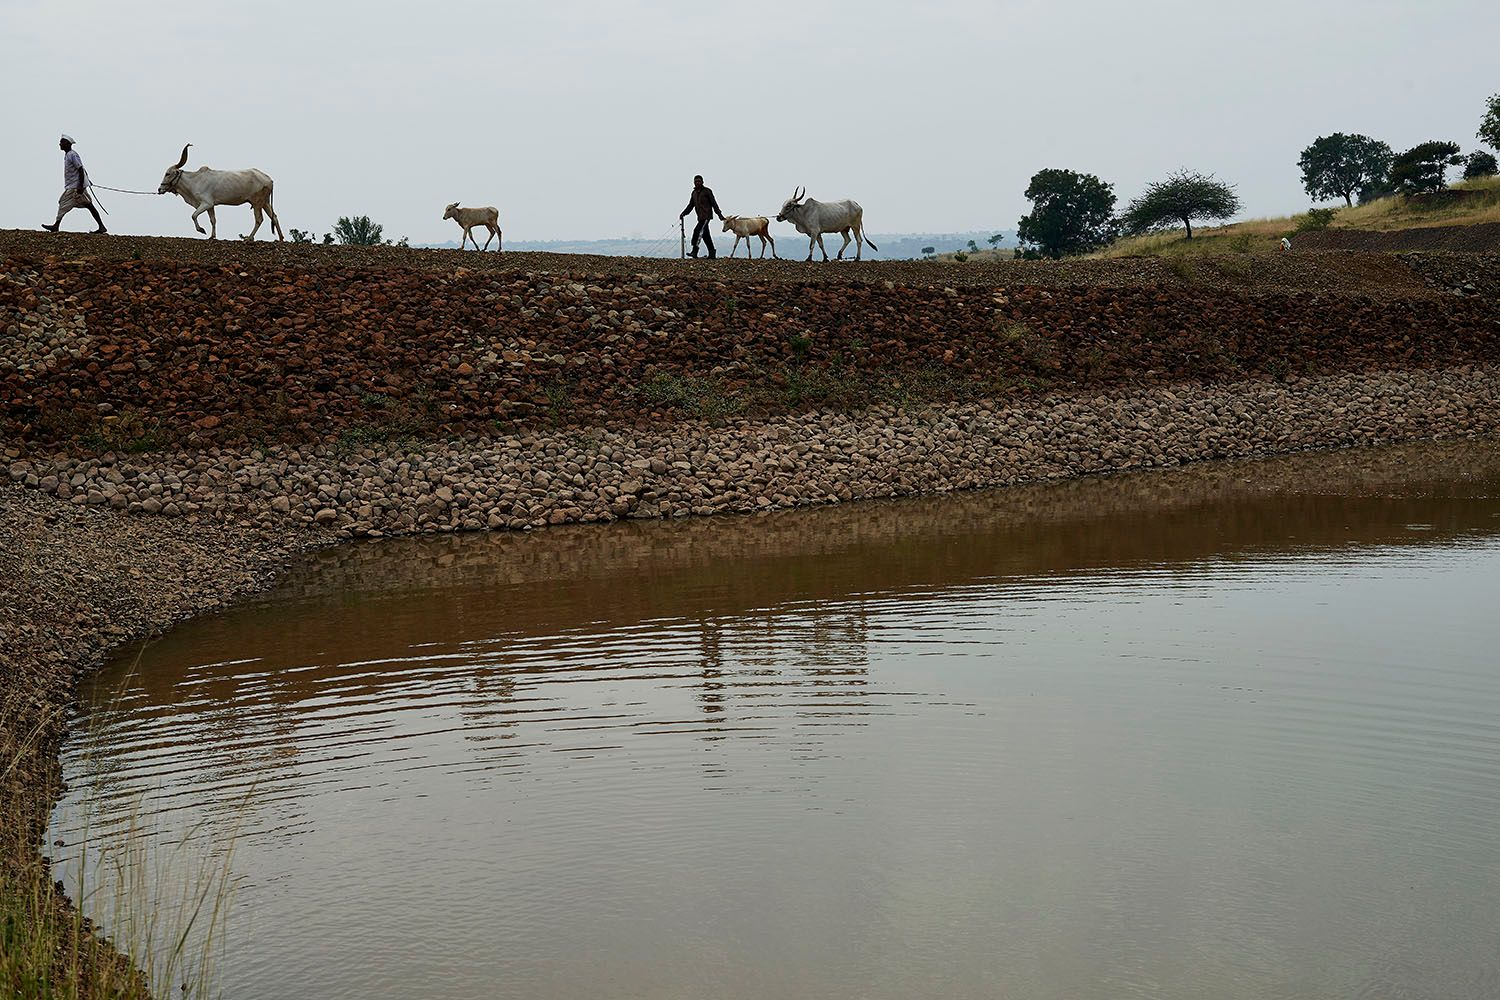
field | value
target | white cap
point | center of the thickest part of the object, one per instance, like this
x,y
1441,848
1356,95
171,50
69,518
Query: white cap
x,y
71,141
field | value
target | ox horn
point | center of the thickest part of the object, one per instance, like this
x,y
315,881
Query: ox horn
x,y
182,161
799,194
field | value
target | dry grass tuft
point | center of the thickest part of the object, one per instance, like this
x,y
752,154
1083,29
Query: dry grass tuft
x,y
164,902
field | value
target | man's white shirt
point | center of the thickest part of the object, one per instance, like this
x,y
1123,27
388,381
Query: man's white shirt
x,y
72,170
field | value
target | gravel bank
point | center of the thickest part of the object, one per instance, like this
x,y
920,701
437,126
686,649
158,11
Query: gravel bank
x,y
589,474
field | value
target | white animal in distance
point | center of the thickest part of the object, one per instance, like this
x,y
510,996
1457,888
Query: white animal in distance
x,y
468,218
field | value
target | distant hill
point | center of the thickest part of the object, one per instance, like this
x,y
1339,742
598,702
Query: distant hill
x,y
893,246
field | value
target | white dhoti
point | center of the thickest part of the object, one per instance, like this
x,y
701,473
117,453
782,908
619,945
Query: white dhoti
x,y
73,198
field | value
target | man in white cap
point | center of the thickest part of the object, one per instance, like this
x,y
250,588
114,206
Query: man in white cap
x,y
75,187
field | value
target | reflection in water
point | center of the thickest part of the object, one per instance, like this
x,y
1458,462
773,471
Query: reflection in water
x,y
1226,731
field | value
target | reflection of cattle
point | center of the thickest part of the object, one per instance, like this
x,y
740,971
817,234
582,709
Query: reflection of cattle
x,y
204,189
814,218
468,218
746,226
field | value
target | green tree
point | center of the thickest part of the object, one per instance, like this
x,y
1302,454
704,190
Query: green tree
x,y
1489,127
1480,164
1422,168
994,241
928,251
359,231
1339,165
1182,197
1071,213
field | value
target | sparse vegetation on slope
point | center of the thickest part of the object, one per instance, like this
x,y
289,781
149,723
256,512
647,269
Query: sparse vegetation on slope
x,y
1464,204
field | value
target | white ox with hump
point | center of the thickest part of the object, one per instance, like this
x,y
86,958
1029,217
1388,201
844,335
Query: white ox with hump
x,y
468,218
814,218
205,189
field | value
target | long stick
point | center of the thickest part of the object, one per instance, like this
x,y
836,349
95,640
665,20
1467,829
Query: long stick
x,y
682,235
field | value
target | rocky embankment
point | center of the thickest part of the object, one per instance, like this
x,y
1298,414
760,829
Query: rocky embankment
x,y
586,474
105,354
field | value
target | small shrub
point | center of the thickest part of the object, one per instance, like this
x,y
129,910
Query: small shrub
x,y
1316,219
960,256
1480,164
1036,349
695,395
559,401
1183,267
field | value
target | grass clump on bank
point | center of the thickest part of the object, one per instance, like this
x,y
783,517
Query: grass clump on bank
x,y
165,903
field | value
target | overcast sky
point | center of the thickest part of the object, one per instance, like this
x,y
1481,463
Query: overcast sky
x,y
584,120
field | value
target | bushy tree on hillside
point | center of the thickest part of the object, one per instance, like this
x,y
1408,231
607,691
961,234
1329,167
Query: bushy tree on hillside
x,y
1071,213
1489,127
358,231
1339,165
1182,197
1422,169
1480,164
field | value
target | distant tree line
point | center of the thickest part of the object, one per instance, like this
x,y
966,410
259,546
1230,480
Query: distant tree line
x,y
1074,213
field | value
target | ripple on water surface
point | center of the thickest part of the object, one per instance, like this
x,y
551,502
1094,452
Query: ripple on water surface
x,y
1231,731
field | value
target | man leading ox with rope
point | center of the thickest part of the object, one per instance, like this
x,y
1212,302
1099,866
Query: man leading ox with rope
x,y
75,187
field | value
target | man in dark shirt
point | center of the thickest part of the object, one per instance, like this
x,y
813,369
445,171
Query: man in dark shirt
x,y
703,202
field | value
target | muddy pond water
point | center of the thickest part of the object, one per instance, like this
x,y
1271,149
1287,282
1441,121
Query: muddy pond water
x,y
1228,731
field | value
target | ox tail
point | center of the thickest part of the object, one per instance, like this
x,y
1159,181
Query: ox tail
x,y
863,234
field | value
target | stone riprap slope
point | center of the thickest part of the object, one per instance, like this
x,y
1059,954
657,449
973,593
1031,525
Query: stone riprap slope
x,y
121,354
1376,274
587,474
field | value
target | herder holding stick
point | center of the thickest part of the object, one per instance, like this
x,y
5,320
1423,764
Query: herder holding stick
x,y
703,202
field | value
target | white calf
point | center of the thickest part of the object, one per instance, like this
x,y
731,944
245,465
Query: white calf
x,y
468,218
746,226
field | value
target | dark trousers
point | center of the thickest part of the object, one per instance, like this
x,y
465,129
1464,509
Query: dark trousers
x,y
700,232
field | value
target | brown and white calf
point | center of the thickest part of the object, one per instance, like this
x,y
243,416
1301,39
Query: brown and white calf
x,y
468,218
746,226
